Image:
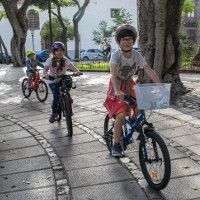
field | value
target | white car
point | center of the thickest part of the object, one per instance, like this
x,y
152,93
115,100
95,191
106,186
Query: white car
x,y
91,54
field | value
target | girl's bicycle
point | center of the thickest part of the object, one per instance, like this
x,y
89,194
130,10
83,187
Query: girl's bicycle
x,y
37,85
154,157
65,100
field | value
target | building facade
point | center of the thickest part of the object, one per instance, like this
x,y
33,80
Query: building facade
x,y
191,25
96,11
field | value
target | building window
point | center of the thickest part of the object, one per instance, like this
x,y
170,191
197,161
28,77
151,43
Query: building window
x,y
191,34
113,11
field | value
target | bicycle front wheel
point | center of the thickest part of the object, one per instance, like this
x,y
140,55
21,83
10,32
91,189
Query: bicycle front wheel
x,y
25,90
59,112
155,160
42,91
67,106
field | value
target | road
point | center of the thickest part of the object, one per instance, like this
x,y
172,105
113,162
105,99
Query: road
x,y
179,126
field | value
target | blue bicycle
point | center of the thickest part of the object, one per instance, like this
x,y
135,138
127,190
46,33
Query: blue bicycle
x,y
153,153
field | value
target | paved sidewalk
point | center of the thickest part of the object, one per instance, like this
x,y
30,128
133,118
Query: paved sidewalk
x,y
38,161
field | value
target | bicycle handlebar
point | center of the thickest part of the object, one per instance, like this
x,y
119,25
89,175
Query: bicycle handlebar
x,y
53,77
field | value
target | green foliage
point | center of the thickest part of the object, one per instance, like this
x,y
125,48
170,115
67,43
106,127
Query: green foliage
x,y
103,31
187,49
2,12
121,16
57,30
188,7
43,5
102,66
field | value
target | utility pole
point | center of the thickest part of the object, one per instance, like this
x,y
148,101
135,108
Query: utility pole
x,y
50,24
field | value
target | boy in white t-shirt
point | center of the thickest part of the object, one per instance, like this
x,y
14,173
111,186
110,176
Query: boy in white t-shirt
x,y
124,63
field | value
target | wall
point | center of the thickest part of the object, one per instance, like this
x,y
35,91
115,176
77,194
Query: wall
x,y
96,11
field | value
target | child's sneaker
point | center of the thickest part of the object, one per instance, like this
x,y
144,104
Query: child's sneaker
x,y
53,118
116,150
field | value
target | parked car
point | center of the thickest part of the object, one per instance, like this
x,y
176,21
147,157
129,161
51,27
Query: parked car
x,y
91,54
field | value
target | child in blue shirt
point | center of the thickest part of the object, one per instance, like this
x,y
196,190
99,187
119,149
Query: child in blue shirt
x,y
31,65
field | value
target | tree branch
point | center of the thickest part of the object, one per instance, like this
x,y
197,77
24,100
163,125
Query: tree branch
x,y
54,13
77,3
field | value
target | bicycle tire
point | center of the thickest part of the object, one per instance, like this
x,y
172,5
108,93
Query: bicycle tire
x,y
45,88
59,112
68,113
155,139
26,92
108,136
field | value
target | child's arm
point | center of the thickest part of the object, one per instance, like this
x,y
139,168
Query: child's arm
x,y
116,86
113,71
151,74
28,66
73,68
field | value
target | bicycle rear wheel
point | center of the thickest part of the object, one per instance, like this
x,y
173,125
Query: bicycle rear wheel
x,y
25,90
108,132
42,91
155,160
68,113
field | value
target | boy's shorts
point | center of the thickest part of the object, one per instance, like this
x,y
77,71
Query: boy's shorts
x,y
125,108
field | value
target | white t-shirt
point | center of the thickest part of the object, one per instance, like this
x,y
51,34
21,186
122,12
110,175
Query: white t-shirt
x,y
127,67
56,70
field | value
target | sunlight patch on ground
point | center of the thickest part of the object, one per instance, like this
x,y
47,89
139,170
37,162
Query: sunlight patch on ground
x,y
4,88
2,72
99,79
10,100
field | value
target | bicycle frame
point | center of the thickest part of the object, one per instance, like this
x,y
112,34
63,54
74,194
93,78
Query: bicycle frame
x,y
140,120
35,81
134,125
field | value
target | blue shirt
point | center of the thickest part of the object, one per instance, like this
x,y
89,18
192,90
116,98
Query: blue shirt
x,y
32,65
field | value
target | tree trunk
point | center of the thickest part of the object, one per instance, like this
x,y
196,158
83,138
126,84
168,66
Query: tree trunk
x,y
76,18
159,24
64,28
18,21
76,37
5,51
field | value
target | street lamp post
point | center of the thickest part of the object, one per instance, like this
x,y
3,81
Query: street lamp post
x,y
32,34
50,24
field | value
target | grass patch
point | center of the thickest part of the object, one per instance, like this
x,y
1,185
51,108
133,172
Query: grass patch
x,y
102,66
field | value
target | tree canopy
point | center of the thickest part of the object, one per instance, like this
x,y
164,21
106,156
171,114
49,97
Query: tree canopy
x,y
120,16
188,7
57,33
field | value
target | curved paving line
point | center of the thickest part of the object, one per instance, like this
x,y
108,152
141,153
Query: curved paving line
x,y
62,187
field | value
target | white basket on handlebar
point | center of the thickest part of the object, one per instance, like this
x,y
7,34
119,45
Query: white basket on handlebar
x,y
151,96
